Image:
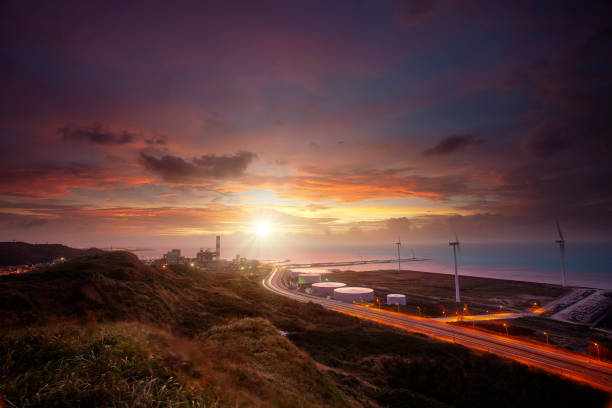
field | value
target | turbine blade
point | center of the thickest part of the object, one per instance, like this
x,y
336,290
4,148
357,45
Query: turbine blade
x,y
560,233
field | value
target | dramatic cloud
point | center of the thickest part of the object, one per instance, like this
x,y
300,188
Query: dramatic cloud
x,y
452,144
178,170
547,141
18,221
95,134
156,141
43,181
363,184
345,103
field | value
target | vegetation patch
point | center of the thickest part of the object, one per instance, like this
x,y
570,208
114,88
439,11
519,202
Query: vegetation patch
x,y
185,337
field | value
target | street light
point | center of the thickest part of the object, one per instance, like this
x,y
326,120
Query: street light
x,y
506,327
597,347
546,334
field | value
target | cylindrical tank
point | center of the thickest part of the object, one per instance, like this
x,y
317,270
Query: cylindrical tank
x,y
354,294
326,288
396,299
309,278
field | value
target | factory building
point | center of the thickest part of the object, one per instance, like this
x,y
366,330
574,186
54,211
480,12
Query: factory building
x,y
204,257
353,294
173,257
326,288
396,299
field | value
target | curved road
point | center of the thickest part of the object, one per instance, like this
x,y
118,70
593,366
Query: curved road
x,y
576,366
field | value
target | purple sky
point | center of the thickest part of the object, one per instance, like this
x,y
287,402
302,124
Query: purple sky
x,y
144,124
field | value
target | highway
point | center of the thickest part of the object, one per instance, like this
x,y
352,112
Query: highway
x,y
561,362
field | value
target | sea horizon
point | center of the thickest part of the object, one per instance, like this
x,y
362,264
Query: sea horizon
x,y
588,264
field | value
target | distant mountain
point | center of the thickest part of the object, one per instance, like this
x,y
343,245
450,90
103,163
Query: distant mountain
x,y
19,253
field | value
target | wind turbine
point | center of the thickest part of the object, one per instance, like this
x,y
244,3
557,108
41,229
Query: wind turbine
x,y
399,263
455,244
561,242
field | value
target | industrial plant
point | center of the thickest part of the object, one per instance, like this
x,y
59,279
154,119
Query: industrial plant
x,y
202,258
326,288
311,281
353,294
396,299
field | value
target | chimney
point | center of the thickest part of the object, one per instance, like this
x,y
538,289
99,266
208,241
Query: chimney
x,y
218,253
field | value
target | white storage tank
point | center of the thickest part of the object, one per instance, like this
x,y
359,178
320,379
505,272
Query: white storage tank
x,y
353,294
396,299
309,278
326,288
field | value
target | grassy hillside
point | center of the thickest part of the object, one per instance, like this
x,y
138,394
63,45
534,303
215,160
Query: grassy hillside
x,y
246,363
21,253
216,334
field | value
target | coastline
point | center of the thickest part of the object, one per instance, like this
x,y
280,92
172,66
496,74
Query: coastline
x,y
511,274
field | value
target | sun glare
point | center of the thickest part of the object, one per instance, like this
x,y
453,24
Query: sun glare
x,y
262,229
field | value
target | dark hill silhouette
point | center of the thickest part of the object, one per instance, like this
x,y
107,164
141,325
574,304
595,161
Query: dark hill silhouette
x,y
20,253
110,285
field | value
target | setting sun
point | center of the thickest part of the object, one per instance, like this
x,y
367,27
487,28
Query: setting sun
x,y
262,229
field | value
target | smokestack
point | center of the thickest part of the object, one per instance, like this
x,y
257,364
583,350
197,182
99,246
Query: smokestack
x,y
218,253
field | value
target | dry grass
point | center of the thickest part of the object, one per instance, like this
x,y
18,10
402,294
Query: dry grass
x,y
211,339
263,368
118,364
243,364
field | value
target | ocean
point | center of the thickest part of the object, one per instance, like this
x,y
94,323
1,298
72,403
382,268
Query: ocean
x,y
587,264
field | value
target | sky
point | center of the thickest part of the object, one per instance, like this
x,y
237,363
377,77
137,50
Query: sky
x,y
166,123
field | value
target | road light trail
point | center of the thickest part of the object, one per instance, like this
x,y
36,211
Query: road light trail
x,y
573,365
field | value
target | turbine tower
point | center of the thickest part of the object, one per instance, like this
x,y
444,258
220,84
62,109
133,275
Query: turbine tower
x,y
561,242
399,264
455,244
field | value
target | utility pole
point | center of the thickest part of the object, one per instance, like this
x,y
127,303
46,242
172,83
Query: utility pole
x,y
455,244
399,263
